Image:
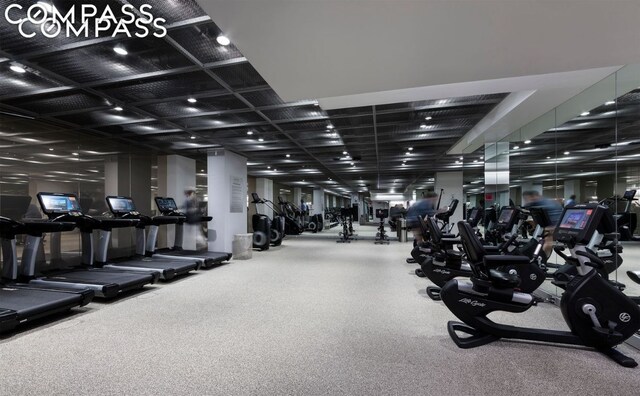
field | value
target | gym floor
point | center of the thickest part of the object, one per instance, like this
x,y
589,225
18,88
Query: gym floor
x,y
310,317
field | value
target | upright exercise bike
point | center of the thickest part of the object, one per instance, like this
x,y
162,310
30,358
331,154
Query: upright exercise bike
x,y
597,313
381,235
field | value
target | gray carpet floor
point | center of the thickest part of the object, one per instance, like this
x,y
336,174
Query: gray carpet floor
x,y
311,317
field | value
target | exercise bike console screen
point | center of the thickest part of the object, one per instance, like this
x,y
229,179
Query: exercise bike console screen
x,y
382,213
54,203
578,223
166,205
628,195
121,205
575,218
507,217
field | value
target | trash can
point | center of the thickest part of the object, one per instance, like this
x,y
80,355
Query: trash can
x,y
402,229
242,246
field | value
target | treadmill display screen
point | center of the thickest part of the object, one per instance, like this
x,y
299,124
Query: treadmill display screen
x,y
52,203
505,216
166,205
576,219
121,204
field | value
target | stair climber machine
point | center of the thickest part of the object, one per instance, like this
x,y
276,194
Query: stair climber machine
x,y
206,259
292,218
276,229
104,282
124,208
445,263
381,235
597,313
22,303
347,234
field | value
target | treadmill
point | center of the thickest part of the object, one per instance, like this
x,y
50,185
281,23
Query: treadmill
x,y
105,282
125,208
168,207
20,303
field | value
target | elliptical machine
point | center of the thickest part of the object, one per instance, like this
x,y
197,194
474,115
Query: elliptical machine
x,y
597,313
277,227
381,235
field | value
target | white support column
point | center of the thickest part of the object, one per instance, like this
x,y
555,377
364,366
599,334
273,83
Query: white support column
x,y
451,182
227,198
297,195
175,173
264,188
318,201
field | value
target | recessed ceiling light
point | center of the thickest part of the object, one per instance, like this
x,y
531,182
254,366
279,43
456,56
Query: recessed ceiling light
x,y
423,126
461,158
610,102
475,160
428,118
584,114
288,156
548,157
268,167
404,161
249,132
17,69
352,163
192,100
407,153
50,148
410,148
482,157
192,137
329,126
117,108
403,164
344,153
275,170
75,153
47,7
261,140
223,40
516,147
566,153
120,51
527,141
201,170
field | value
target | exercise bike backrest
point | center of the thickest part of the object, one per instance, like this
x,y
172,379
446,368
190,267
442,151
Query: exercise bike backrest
x,y
434,230
452,208
472,246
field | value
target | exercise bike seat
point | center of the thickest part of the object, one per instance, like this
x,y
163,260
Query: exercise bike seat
x,y
503,280
493,261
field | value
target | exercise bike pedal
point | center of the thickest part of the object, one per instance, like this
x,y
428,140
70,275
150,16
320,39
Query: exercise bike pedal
x,y
434,293
420,273
411,260
476,337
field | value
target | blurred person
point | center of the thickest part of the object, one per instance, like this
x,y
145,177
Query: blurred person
x,y
570,202
533,199
420,209
192,210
